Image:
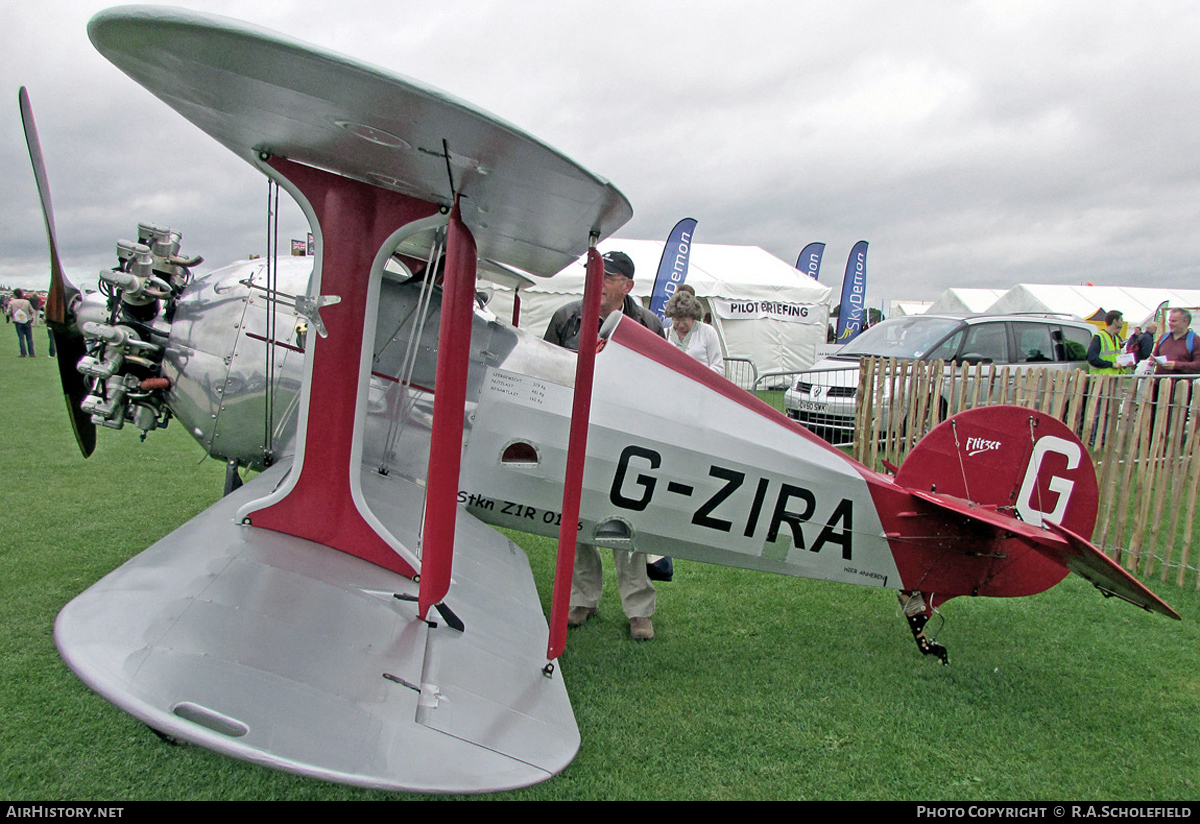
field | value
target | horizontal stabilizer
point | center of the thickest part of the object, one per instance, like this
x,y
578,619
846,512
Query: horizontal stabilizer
x,y
1085,560
1060,545
978,512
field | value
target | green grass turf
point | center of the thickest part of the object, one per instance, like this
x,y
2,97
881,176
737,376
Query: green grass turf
x,y
757,686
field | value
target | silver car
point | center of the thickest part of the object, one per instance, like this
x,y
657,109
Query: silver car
x,y
824,398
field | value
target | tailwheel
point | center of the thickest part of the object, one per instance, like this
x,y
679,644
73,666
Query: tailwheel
x,y
918,611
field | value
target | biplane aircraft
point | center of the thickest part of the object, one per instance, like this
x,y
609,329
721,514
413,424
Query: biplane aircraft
x,y
348,613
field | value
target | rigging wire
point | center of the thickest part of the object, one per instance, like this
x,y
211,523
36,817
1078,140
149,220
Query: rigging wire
x,y
416,329
959,454
1037,487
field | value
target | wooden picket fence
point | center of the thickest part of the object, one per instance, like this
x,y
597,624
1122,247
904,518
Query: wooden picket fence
x,y
1140,431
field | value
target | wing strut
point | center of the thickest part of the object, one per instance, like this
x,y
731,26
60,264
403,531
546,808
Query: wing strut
x,y
321,499
445,448
581,405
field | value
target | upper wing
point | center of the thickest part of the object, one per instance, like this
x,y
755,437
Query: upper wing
x,y
256,91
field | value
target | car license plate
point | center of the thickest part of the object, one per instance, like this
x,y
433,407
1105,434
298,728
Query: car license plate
x,y
812,406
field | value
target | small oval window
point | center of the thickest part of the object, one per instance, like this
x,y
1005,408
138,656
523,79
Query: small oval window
x,y
520,452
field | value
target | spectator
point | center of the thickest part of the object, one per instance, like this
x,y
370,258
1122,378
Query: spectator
x,y
1131,343
1176,352
691,334
21,312
637,592
1106,346
1145,347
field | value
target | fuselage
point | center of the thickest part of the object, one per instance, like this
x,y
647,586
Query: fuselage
x,y
679,462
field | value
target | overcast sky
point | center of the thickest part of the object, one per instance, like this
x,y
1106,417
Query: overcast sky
x,y
973,144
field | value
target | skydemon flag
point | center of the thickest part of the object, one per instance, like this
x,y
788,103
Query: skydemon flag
x,y
809,261
854,294
673,265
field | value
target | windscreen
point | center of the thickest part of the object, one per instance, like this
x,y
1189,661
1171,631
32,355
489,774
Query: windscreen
x,y
900,338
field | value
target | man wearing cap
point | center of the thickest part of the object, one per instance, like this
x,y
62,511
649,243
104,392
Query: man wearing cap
x,y
637,593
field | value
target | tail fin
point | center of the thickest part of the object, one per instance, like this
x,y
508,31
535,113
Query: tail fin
x,y
1020,490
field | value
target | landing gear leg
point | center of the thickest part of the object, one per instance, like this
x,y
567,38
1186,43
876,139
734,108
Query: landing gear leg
x,y
233,481
918,612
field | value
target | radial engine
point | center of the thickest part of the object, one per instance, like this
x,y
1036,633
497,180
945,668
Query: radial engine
x,y
163,343
127,338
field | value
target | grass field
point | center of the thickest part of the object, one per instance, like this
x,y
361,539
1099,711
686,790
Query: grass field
x,y
758,686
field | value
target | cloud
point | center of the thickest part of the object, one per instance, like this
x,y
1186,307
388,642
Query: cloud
x,y
978,144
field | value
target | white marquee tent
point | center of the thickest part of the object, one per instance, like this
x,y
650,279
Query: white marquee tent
x,y
959,301
762,308
906,308
1136,303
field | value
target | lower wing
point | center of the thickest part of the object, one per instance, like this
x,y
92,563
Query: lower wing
x,y
286,653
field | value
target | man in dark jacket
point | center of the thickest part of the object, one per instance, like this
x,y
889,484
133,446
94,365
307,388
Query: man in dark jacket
x,y
637,592
1146,341
618,282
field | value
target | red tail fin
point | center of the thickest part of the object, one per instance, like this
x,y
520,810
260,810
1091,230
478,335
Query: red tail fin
x,y
1006,501
1020,461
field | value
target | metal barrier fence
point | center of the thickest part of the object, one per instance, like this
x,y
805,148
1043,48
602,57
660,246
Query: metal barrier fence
x,y
741,371
770,387
824,400
1140,431
776,381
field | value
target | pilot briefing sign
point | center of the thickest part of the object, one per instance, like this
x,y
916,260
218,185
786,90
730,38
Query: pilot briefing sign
x,y
773,309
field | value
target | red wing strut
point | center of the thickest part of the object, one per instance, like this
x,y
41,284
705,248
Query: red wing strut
x,y
585,367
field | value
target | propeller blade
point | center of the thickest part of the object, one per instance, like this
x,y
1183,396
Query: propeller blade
x,y
60,319
70,348
60,286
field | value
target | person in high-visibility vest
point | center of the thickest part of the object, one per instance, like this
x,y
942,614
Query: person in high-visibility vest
x,y
1106,345
1102,355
